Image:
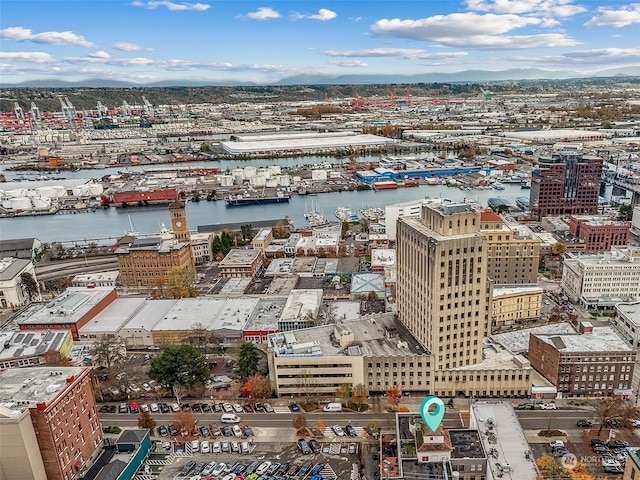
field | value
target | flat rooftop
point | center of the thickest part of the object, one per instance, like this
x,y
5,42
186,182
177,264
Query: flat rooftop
x,y
25,387
266,314
506,438
495,356
67,308
466,444
10,267
630,312
239,257
603,339
504,291
518,340
114,317
16,344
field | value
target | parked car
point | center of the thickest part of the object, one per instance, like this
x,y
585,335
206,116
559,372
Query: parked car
x,y
238,408
248,408
556,443
548,406
247,431
216,448
294,407
263,467
227,407
314,445
164,408
187,468
258,407
338,430
219,469
205,446
268,408
175,407
304,446
584,423
123,408
350,430
209,468
237,431
617,444
162,430
526,406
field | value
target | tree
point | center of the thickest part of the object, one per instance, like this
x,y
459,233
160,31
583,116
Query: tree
x,y
184,421
359,394
394,394
343,392
246,231
108,351
178,392
281,231
145,420
611,408
30,285
257,386
550,468
625,213
202,339
300,423
248,360
319,426
56,359
558,248
184,366
181,283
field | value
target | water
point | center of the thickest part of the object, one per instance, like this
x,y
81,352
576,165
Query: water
x,y
114,222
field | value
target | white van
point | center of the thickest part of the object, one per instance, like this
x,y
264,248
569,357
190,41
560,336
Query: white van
x,y
333,407
229,418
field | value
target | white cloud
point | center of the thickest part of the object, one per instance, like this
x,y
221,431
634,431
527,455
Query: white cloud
x,y
350,63
559,8
186,65
410,53
31,57
616,18
172,6
128,47
105,58
322,15
603,55
20,34
100,54
263,13
471,30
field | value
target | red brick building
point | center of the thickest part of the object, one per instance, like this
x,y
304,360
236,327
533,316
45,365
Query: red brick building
x,y
241,263
595,362
63,413
599,233
566,183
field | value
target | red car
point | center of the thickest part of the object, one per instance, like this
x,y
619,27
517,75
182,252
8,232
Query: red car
x,y
248,408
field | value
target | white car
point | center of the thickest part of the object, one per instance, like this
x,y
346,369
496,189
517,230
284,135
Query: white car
x,y
263,467
218,470
175,407
227,407
216,448
548,406
338,430
237,431
144,407
146,387
238,408
154,407
209,468
205,447
135,388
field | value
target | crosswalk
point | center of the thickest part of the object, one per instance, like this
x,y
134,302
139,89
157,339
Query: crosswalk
x,y
281,409
328,432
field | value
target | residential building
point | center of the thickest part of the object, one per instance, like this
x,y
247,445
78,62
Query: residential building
x,y
602,280
27,349
586,363
443,293
599,233
291,244
20,457
513,252
202,247
632,465
69,311
627,322
64,417
13,292
241,263
515,305
565,183
146,263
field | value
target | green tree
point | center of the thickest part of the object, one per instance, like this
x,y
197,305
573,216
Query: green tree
x,y
625,213
184,366
223,243
248,360
30,285
246,231
145,420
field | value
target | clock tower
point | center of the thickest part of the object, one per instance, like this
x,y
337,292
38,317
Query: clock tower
x,y
179,221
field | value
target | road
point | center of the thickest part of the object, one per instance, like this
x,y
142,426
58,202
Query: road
x,y
67,268
530,419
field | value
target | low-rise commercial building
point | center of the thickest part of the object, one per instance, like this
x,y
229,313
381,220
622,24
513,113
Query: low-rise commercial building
x,y
262,240
29,349
627,322
599,233
13,292
513,305
589,362
241,263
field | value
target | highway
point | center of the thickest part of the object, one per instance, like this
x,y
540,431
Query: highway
x,y
79,265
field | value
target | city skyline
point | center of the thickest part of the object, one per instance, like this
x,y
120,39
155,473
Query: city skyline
x,y
264,42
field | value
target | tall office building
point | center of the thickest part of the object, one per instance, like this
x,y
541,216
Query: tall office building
x,y
443,293
565,183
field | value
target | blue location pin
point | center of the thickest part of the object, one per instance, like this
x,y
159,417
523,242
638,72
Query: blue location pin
x,y
432,419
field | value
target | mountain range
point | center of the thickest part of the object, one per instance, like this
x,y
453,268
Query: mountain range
x,y
321,79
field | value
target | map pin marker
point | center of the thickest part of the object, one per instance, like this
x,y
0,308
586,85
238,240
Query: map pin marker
x,y
433,418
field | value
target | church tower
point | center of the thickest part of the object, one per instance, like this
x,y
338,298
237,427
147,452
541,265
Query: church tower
x,y
179,221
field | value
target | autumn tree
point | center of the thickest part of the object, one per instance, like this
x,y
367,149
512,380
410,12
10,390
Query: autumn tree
x,y
256,386
108,350
319,426
184,421
343,392
393,395
550,468
611,408
180,283
145,420
359,394
300,423
558,248
56,359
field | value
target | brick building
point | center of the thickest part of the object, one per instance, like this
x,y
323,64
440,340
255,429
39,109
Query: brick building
x,y
588,363
241,263
565,183
599,233
64,419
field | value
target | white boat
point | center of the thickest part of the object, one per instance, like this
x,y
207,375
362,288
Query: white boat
x,y
498,186
343,213
315,217
372,213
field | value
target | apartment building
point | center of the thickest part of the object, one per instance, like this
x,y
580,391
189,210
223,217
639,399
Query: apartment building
x,y
599,233
589,362
443,292
602,280
565,183
64,422
513,251
262,239
514,305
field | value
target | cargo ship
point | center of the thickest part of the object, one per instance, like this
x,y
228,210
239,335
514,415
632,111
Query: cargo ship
x,y
144,197
243,200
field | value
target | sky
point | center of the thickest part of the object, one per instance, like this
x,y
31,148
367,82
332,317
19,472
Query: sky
x,y
144,41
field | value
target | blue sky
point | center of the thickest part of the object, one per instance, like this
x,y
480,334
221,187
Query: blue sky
x,y
264,41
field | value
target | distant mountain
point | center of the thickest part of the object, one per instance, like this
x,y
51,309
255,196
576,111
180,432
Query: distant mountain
x,y
354,79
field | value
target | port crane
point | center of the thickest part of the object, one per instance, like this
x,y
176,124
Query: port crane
x,y
68,110
148,107
102,110
126,109
34,116
18,112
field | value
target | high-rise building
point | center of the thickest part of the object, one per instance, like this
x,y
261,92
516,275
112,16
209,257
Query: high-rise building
x,y
565,183
443,292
